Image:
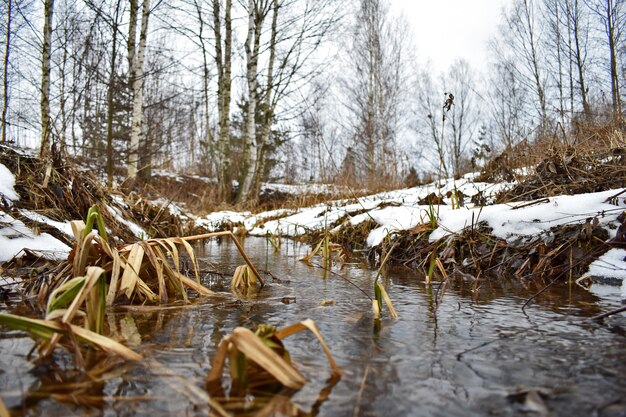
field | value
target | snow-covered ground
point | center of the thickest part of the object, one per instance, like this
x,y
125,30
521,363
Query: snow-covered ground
x,y
391,211
400,210
15,236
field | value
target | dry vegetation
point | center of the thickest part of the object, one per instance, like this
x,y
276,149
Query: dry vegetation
x,y
594,161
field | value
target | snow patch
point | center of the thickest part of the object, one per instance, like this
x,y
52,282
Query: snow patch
x,y
611,265
7,184
63,227
135,229
15,237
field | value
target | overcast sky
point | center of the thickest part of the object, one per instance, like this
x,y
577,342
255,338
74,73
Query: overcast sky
x,y
445,30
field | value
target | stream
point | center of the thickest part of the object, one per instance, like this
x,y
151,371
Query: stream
x,y
476,353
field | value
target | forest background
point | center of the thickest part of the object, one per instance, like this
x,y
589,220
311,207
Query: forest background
x,y
323,91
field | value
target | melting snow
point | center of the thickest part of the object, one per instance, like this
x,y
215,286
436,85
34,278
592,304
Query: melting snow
x,y
7,182
15,236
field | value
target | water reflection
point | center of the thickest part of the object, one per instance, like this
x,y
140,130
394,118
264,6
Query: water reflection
x,y
474,353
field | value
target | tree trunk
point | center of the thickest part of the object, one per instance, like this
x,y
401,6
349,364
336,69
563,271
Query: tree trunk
x,y
580,62
535,65
46,53
205,81
110,91
137,131
255,22
223,62
5,79
268,115
615,94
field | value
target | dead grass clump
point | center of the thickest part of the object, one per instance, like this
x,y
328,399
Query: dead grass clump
x,y
56,190
571,172
354,236
197,194
564,252
60,190
258,362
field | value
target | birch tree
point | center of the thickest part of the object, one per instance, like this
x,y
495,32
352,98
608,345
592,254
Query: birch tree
x,y
376,80
136,56
5,69
223,62
110,91
296,30
46,52
258,11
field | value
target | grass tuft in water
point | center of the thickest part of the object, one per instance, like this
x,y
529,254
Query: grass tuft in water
x,y
259,361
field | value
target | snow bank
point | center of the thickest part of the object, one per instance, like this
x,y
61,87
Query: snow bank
x,y
7,182
15,236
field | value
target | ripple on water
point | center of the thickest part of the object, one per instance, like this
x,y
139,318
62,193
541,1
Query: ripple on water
x,y
473,353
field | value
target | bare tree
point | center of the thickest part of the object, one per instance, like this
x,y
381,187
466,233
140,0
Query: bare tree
x,y
296,31
374,87
430,118
110,91
464,113
613,18
555,47
46,52
223,61
507,99
5,69
258,10
519,37
136,55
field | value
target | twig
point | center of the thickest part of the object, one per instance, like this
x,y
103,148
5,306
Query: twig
x,y
342,277
239,247
615,196
531,203
540,292
609,313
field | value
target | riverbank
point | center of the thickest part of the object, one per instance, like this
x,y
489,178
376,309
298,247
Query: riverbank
x,y
476,226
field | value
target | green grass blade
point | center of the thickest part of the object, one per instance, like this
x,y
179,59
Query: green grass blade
x,y
32,326
65,294
47,328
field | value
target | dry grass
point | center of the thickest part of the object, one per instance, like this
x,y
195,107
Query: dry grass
x,y
259,359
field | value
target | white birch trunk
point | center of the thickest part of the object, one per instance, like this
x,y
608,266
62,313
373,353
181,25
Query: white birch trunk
x,y
250,145
137,131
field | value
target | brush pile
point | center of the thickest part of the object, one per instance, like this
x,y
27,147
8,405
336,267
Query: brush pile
x,y
562,252
570,172
61,190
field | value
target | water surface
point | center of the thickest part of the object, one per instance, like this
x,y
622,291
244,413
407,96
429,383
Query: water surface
x,y
474,353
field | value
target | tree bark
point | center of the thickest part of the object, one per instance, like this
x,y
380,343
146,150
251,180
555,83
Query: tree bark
x,y
5,71
528,12
580,61
615,94
268,116
110,91
223,59
46,53
137,130
255,23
